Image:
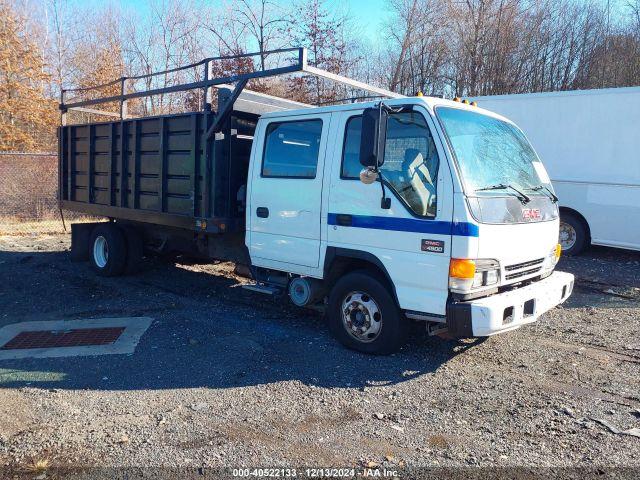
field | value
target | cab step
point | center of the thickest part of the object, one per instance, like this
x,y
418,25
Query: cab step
x,y
266,289
436,328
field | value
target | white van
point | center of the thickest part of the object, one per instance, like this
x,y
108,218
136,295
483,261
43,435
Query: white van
x,y
588,141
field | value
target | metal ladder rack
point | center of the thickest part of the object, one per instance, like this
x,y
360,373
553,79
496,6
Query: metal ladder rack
x,y
300,65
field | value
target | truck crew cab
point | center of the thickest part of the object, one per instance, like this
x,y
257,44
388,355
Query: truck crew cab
x,y
379,212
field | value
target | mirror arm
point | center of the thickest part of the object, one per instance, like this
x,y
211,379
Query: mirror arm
x,y
385,202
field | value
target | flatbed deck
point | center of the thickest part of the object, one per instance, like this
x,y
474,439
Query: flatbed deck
x,y
161,170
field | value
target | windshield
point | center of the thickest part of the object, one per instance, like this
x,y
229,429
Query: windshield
x,y
493,156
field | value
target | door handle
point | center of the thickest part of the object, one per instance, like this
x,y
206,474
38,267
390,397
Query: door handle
x,y
344,220
262,212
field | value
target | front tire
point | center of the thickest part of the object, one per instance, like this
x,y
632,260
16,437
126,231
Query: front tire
x,y
108,250
574,237
364,316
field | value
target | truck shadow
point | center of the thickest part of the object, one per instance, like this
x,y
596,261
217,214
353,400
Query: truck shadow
x,y
207,332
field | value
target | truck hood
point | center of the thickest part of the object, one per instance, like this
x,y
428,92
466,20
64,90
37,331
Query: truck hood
x,y
520,248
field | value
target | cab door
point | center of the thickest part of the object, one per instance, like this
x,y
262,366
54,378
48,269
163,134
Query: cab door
x,y
411,239
285,195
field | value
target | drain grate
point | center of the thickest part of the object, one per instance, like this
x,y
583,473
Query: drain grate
x,y
80,337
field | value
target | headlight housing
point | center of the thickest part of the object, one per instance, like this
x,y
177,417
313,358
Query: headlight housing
x,y
551,260
487,273
466,275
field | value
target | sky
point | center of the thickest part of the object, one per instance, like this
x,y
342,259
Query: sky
x,y
369,14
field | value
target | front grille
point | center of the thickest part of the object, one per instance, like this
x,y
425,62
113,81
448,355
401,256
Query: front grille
x,y
522,273
518,266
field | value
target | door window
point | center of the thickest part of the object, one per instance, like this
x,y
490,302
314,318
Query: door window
x,y
410,160
291,149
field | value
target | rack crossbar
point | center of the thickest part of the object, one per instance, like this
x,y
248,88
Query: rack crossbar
x,y
301,65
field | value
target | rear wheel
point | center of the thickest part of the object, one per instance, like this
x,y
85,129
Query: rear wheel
x,y
573,234
108,250
364,316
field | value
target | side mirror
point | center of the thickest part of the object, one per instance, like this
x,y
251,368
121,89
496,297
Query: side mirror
x,y
368,176
374,135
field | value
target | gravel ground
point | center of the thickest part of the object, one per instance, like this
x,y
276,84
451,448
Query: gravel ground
x,y
226,377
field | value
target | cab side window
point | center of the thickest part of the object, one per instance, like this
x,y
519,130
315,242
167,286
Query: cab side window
x,y
291,149
410,161
351,152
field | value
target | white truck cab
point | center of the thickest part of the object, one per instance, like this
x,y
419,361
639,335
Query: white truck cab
x,y
450,219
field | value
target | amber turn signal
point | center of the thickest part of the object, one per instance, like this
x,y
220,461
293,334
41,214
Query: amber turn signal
x,y
462,268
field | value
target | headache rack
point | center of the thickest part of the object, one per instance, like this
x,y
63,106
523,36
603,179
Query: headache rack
x,y
182,170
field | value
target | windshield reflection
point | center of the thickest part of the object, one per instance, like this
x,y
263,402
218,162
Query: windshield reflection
x,y
491,152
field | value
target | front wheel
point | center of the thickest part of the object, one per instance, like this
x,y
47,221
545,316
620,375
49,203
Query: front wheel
x,y
364,316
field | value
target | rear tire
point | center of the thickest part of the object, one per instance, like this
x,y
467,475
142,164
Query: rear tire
x,y
108,250
574,236
363,315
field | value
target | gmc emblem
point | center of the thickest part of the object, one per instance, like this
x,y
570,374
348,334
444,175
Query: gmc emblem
x,y
531,214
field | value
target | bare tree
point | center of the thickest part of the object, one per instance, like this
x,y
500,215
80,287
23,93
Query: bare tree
x,y
406,10
323,33
168,38
64,32
482,47
264,22
451,47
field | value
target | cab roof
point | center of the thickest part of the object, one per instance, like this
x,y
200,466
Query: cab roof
x,y
429,102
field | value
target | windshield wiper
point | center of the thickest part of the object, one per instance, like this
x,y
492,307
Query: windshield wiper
x,y
524,199
552,195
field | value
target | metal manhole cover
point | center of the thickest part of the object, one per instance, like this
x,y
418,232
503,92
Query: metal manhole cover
x,y
71,338
80,337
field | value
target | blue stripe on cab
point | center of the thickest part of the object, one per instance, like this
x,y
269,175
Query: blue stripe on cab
x,y
462,229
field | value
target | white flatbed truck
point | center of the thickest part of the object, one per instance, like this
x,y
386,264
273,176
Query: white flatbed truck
x,y
380,212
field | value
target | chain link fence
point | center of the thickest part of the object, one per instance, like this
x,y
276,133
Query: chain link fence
x,y
29,195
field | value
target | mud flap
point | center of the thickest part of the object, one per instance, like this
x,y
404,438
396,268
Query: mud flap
x,y
80,233
459,319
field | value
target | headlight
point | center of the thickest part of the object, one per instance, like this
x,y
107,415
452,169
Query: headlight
x,y
487,273
466,275
552,258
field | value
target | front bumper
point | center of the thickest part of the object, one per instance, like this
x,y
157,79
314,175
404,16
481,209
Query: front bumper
x,y
508,310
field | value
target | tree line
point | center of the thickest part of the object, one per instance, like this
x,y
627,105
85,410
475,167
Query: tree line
x,y
489,47
439,47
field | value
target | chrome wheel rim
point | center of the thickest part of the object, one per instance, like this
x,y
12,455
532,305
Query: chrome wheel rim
x,y
100,251
567,237
361,317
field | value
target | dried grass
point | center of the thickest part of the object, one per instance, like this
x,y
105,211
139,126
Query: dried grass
x,y
38,465
12,226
